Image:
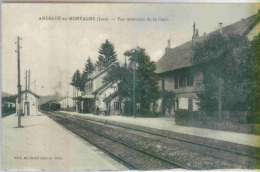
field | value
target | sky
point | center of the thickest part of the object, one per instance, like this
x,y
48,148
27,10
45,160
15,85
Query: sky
x,y
54,49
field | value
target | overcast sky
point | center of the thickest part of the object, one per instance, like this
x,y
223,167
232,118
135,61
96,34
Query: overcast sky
x,y
53,49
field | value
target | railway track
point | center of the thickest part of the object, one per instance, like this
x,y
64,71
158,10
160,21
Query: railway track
x,y
232,160
130,156
256,155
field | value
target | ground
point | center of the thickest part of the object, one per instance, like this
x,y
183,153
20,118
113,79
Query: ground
x,y
169,124
51,146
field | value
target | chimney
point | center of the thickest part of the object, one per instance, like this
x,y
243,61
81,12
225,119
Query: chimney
x,y
168,45
195,35
220,28
204,34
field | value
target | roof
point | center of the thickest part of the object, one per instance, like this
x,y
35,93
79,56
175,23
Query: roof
x,y
28,91
63,98
103,87
180,56
110,97
102,71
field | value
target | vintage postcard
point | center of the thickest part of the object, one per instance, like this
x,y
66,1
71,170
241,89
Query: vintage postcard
x,y
130,86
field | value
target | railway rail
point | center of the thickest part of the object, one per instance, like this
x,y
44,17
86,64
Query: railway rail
x,y
204,158
130,156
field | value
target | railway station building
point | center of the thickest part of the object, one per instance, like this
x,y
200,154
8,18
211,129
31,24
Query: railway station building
x,y
98,94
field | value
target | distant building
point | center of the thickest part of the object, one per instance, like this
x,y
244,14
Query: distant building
x,y
66,102
174,68
8,104
29,102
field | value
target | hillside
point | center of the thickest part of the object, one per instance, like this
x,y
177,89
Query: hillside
x,y
44,99
4,94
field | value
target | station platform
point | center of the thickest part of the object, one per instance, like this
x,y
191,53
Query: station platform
x,y
168,124
42,144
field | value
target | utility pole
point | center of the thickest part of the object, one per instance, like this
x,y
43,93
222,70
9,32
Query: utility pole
x,y
35,86
73,95
26,88
29,79
18,85
67,98
134,90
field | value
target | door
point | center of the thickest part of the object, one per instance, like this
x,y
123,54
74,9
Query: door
x,y
28,108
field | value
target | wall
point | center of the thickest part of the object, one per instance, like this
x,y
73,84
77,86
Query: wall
x,y
112,111
67,101
107,92
98,81
33,103
254,32
183,93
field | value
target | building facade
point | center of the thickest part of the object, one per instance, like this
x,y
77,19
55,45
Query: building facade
x,y
29,102
175,68
66,103
96,91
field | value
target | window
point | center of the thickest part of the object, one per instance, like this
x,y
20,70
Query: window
x,y
116,106
163,84
190,79
176,81
190,104
182,79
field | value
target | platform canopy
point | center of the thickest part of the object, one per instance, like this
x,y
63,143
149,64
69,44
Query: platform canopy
x,y
88,96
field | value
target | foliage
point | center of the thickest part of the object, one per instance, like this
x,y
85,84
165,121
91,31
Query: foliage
x,y
146,80
88,70
227,65
183,116
147,91
124,76
9,99
107,54
168,101
256,69
77,81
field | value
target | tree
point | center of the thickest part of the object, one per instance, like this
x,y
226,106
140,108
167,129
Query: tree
x,y
77,80
147,91
227,65
124,76
256,74
107,54
73,79
88,70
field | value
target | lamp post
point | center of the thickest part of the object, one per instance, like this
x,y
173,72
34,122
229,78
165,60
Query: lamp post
x,y
135,65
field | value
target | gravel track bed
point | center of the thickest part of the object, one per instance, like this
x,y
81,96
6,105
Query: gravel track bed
x,y
183,156
246,161
137,159
177,151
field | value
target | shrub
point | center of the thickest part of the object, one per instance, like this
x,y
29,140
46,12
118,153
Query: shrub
x,y
185,116
253,118
148,113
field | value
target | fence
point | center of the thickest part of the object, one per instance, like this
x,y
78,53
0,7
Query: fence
x,y
236,121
